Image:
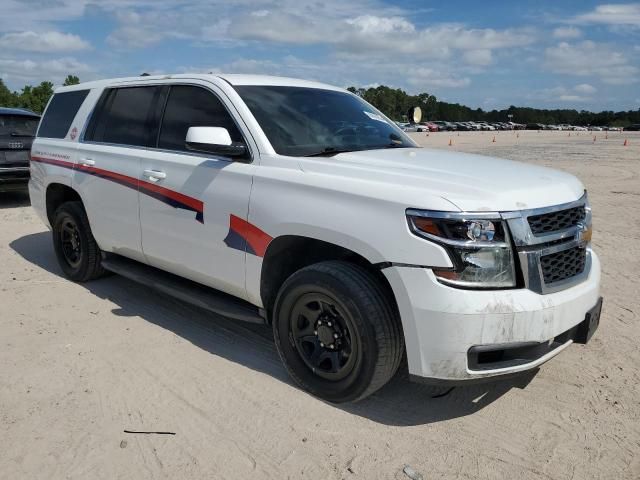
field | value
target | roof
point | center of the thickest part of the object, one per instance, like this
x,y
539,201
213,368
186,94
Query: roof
x,y
233,79
17,111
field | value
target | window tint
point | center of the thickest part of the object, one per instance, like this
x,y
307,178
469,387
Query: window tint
x,y
192,107
124,116
313,121
60,113
18,125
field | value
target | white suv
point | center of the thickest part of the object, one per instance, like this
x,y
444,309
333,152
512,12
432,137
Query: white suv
x,y
300,205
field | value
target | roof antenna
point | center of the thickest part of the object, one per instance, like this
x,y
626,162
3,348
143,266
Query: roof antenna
x,y
145,74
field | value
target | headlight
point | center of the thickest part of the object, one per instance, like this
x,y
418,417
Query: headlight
x,y
478,245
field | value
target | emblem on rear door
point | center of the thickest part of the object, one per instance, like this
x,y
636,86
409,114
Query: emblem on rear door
x,y
16,145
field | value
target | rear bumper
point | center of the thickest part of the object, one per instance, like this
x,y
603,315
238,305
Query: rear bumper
x,y
13,178
455,335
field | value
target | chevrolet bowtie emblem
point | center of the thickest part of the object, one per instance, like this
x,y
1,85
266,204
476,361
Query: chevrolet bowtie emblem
x,y
584,233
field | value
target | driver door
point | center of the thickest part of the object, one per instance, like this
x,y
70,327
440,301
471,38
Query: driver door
x,y
187,198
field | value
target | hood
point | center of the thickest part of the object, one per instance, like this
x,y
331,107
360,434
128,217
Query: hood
x,y
471,182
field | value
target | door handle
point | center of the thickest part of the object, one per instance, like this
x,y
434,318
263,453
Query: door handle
x,y
154,175
87,162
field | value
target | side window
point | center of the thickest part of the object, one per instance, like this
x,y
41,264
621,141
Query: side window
x,y
189,106
125,116
60,113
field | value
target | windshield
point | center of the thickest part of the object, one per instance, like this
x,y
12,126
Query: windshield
x,y
18,125
302,121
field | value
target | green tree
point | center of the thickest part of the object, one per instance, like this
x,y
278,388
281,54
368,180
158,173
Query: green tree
x,y
71,80
7,97
35,98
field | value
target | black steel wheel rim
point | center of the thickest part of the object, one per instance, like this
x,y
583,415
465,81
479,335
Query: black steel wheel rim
x,y
70,242
324,336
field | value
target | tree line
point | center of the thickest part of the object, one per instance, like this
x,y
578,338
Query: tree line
x,y
30,97
393,102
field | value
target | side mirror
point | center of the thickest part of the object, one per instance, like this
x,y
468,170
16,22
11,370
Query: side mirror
x,y
214,140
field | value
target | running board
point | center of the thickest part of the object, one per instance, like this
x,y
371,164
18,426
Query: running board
x,y
183,289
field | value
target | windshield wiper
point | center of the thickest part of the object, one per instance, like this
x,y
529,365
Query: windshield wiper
x,y
394,145
329,151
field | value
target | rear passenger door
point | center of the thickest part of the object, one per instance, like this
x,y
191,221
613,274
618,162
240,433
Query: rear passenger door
x,y
187,198
124,122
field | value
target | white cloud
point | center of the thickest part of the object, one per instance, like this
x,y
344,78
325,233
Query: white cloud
x,y
560,94
45,42
567,32
612,14
573,98
340,25
429,77
480,57
585,88
17,72
592,59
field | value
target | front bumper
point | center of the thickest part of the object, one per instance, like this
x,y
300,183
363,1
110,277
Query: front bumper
x,y
442,325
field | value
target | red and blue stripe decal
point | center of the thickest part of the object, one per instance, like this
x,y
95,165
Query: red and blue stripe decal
x,y
242,235
246,237
165,195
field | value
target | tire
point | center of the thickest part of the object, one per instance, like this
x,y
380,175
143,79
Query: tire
x,y
77,251
343,303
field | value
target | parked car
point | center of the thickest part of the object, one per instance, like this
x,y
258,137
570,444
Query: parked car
x,y
535,126
485,126
462,126
299,205
17,129
445,126
632,128
431,127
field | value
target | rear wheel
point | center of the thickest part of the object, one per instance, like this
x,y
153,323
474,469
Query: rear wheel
x,y
337,332
77,251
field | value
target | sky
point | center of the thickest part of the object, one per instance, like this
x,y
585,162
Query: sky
x,y
484,54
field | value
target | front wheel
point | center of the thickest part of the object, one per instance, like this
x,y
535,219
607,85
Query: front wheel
x,y
337,331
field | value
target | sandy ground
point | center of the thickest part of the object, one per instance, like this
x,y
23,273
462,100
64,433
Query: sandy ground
x,y
81,363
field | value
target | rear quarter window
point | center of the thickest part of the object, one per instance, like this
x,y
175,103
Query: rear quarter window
x,y
125,116
60,113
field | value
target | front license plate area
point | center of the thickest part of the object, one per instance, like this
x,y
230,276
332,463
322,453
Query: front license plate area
x,y
590,324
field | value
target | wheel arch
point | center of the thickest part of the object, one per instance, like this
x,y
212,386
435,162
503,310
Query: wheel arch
x,y
57,194
287,254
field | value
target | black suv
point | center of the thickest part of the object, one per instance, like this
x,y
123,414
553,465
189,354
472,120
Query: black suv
x,y
17,129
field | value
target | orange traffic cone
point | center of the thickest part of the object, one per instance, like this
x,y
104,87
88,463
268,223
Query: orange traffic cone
x,y
518,135
569,133
626,142
594,138
606,136
494,139
450,142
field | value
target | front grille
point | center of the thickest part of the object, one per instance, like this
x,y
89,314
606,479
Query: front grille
x,y
562,265
556,221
